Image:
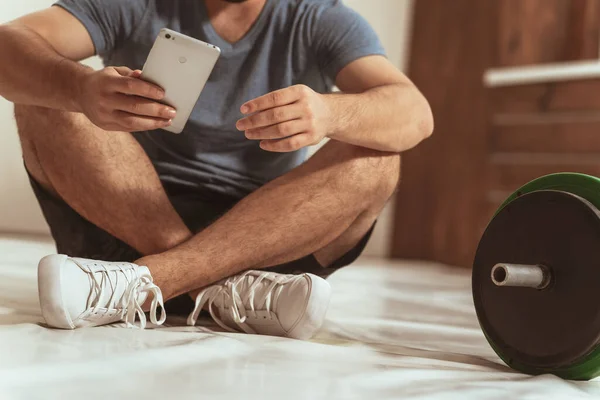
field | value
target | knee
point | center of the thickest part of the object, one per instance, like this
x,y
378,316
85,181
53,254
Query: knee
x,y
33,119
391,175
375,174
26,114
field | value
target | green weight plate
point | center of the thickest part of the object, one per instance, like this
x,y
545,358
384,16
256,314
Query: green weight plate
x,y
585,186
574,353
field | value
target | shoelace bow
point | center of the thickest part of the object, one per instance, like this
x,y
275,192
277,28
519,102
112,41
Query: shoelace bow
x,y
128,304
236,300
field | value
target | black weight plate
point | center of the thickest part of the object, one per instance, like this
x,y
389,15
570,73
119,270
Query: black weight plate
x,y
556,326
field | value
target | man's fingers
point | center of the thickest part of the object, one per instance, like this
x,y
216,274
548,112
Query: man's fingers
x,y
123,71
277,98
145,107
271,117
292,143
136,123
128,72
138,87
278,131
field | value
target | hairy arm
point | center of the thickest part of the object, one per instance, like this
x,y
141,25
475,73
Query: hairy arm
x,y
39,66
38,55
379,109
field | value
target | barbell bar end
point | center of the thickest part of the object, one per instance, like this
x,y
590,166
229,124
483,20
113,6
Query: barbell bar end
x,y
521,275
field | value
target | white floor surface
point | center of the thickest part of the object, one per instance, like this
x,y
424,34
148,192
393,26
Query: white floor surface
x,y
393,331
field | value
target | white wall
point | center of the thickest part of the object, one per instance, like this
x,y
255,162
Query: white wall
x,y
391,19
19,211
18,207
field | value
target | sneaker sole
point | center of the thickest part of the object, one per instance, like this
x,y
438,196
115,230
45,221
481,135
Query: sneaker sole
x,y
306,328
50,292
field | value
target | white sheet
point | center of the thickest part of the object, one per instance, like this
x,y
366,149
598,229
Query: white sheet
x,y
394,330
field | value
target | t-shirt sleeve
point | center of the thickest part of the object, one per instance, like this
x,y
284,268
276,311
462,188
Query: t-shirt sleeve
x,y
109,22
339,36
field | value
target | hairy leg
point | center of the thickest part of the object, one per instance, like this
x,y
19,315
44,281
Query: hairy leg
x,y
323,207
105,176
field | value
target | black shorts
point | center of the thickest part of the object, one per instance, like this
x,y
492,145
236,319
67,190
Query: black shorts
x,y
77,237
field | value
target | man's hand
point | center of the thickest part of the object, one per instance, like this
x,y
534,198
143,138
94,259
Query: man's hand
x,y
287,119
116,99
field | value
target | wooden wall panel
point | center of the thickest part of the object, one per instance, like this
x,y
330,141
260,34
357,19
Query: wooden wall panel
x,y
583,38
571,136
580,95
539,129
440,209
488,142
547,31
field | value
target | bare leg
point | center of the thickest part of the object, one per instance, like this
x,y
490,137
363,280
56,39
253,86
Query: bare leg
x,y
324,207
335,196
105,176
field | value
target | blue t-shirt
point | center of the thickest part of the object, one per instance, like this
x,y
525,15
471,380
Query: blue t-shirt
x,y
292,42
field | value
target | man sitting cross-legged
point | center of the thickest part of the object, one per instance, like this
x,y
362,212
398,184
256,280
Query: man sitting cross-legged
x,y
229,213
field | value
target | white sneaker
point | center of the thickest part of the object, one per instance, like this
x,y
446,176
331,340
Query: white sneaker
x,y
267,303
76,292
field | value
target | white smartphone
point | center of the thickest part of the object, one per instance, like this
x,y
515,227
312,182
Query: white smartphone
x,y
180,65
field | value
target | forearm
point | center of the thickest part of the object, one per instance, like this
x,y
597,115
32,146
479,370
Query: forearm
x,y
33,73
391,118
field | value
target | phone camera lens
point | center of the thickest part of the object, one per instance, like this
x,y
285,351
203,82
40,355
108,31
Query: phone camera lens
x,y
168,36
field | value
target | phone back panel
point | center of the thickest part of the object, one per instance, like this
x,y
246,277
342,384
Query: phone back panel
x,y
180,65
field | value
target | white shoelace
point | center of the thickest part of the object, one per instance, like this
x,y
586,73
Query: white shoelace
x,y
238,300
128,303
